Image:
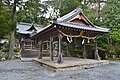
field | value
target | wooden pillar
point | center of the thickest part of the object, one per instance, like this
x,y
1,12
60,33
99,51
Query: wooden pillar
x,y
40,50
24,45
97,57
60,57
84,50
51,48
31,45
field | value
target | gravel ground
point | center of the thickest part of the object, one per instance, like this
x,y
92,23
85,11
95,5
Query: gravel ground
x,y
17,70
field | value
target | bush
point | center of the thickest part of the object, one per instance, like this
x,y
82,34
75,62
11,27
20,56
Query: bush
x,y
77,53
5,50
7,57
118,52
1,57
16,49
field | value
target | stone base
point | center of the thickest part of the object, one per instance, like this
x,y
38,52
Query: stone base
x,y
70,63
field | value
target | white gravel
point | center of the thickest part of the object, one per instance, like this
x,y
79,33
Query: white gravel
x,y
17,70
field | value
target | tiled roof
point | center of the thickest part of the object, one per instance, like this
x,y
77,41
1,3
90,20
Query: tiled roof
x,y
23,27
70,15
2,41
40,30
66,21
76,25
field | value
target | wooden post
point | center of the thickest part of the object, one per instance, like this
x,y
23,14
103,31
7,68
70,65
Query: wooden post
x,y
84,48
40,52
60,57
97,57
24,45
31,45
51,48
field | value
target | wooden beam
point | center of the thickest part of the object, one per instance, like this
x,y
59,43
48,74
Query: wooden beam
x,y
60,57
40,51
51,48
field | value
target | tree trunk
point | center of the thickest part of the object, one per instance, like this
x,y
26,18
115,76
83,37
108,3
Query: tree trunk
x,y
111,49
60,56
98,10
12,42
11,51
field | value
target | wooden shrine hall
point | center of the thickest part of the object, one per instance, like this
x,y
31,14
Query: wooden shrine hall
x,y
71,27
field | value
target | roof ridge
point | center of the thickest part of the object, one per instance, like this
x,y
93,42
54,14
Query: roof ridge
x,y
23,23
30,24
70,15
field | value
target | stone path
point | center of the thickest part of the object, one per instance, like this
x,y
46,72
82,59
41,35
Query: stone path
x,y
18,70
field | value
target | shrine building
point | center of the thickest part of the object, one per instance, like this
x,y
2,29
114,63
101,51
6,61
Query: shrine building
x,y
71,27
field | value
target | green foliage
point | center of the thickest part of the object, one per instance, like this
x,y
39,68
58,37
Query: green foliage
x,y
33,11
118,52
4,21
62,7
17,50
12,25
102,41
68,5
3,27
110,14
5,50
7,57
1,57
111,18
